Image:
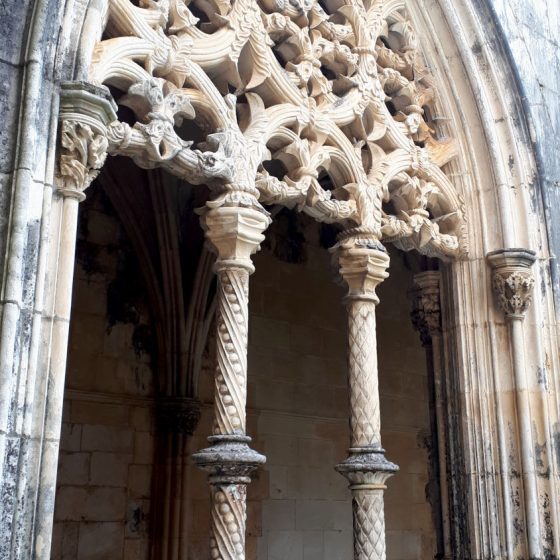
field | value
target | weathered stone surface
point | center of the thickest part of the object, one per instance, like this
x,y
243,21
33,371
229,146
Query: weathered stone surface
x,y
497,139
10,91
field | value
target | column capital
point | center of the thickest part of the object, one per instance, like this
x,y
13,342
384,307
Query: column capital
x,y
178,415
426,310
362,263
235,233
85,112
513,280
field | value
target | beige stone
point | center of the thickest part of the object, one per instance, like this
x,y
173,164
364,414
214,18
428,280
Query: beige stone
x,y
109,469
73,468
106,438
99,541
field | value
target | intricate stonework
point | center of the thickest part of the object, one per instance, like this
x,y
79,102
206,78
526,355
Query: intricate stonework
x,y
337,94
229,462
426,311
363,266
83,153
229,511
513,280
232,323
327,116
85,112
235,233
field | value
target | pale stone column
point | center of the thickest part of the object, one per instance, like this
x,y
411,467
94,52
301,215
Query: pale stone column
x,y
363,265
235,234
85,112
513,283
426,318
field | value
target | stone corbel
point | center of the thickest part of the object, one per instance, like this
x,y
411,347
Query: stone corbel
x,y
84,115
513,280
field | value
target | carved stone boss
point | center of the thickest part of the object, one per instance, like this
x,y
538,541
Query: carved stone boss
x,y
513,283
335,92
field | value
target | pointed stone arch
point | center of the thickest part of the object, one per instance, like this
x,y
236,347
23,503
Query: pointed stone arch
x,y
501,213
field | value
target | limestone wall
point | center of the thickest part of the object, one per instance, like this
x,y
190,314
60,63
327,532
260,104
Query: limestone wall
x,y
531,34
299,507
106,457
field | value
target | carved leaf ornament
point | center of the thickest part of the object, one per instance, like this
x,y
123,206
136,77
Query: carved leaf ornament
x,y
314,105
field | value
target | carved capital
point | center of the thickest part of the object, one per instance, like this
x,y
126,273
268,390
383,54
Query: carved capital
x,y
426,312
177,415
363,264
235,233
85,112
513,280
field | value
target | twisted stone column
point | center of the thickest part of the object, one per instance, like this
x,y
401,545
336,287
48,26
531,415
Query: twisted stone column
x,y
363,265
235,233
513,283
426,318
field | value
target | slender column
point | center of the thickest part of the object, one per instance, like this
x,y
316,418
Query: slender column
x,y
235,234
85,112
513,285
363,265
426,317
176,421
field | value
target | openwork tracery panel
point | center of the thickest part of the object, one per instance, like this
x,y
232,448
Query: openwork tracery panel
x,y
315,105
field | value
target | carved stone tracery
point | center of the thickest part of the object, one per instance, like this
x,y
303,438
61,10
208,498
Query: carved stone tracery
x,y
336,92
319,107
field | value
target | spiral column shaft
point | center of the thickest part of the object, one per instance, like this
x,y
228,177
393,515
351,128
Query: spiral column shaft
x,y
235,233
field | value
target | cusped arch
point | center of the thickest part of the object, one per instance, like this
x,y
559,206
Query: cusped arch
x,y
321,101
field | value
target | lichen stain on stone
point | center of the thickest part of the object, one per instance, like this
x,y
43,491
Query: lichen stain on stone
x,y
540,458
476,48
143,340
556,441
542,377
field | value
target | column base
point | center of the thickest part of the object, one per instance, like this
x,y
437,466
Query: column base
x,y
367,465
367,469
229,462
229,457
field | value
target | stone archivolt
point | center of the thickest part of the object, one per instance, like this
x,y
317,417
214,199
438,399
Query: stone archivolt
x,y
334,92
